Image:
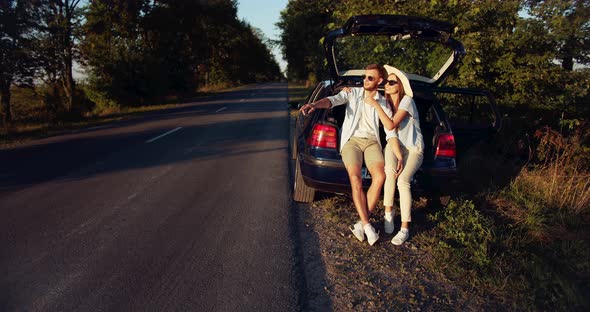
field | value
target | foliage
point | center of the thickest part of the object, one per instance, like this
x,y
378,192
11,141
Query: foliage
x,y
57,32
18,61
525,60
465,236
131,51
527,242
137,50
303,25
550,210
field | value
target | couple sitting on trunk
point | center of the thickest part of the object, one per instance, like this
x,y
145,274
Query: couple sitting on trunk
x,y
360,139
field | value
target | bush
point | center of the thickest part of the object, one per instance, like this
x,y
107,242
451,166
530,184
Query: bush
x,y
103,105
465,237
528,243
550,210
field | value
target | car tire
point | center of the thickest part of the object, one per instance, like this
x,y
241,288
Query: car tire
x,y
294,146
301,192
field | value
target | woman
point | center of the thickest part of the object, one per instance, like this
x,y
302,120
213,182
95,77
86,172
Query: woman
x,y
401,166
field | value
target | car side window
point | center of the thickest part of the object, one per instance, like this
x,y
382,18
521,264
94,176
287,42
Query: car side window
x,y
472,111
323,93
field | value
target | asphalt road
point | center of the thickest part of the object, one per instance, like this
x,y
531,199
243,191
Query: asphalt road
x,y
186,209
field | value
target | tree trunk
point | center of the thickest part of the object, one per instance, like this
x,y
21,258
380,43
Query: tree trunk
x,y
567,63
5,106
68,84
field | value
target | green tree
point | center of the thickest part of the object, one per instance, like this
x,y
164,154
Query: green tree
x,y
61,20
176,38
525,61
18,60
137,49
114,50
567,25
303,25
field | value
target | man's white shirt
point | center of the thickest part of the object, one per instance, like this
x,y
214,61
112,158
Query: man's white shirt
x,y
353,118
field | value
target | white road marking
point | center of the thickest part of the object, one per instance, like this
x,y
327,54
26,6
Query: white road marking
x,y
162,135
242,100
217,111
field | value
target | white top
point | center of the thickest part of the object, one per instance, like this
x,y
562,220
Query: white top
x,y
364,129
408,132
353,113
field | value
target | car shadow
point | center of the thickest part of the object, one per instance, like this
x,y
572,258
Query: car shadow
x,y
308,253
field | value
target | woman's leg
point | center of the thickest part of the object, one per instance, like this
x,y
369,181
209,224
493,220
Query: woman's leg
x,y
413,163
393,154
390,178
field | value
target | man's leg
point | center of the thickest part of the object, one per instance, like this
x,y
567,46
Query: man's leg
x,y
358,194
376,165
377,171
352,156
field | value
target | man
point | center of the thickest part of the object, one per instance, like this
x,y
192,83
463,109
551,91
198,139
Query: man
x,y
360,138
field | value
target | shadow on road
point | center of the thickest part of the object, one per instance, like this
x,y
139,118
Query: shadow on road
x,y
308,252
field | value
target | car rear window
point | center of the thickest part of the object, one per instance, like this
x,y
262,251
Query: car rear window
x,y
423,58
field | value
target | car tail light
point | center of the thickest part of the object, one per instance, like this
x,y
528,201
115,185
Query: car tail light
x,y
446,146
323,136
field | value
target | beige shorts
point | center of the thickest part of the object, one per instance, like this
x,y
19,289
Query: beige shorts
x,y
354,150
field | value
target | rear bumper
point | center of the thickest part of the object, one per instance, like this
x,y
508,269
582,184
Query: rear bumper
x,y
330,175
327,175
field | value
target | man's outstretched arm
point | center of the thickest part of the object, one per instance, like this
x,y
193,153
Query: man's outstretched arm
x,y
310,107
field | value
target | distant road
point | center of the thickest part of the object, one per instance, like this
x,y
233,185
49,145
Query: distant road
x,y
186,209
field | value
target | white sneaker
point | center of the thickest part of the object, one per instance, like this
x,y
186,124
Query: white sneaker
x,y
400,238
372,236
388,225
357,231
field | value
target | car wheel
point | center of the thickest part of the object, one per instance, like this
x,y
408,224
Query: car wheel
x,y
301,192
294,146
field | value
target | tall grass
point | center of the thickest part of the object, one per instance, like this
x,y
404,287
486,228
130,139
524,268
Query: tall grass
x,y
528,244
551,209
563,171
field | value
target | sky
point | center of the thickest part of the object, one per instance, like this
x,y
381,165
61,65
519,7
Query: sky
x,y
264,14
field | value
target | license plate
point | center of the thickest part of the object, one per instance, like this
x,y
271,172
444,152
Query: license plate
x,y
365,173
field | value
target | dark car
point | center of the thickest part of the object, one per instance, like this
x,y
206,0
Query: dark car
x,y
451,119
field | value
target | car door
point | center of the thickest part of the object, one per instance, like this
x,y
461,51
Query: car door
x,y
471,113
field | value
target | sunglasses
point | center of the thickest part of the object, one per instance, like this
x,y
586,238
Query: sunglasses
x,y
370,78
392,82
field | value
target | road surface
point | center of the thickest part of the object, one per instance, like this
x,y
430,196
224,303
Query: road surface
x,y
186,209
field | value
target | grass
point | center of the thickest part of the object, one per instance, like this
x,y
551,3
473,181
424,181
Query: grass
x,y
22,132
31,124
529,241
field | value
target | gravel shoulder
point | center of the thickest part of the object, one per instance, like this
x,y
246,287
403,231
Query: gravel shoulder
x,y
343,274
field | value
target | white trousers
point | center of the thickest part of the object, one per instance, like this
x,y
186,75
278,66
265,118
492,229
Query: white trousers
x,y
412,160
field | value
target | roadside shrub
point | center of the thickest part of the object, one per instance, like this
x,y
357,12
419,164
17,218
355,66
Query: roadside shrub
x,y
103,105
549,209
465,236
532,249
27,105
